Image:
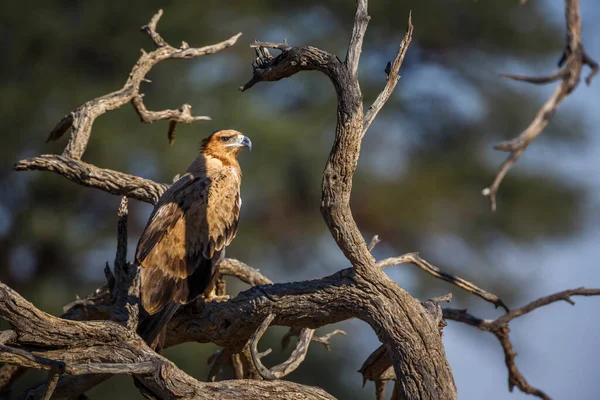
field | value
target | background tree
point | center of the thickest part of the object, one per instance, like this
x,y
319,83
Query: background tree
x,y
423,166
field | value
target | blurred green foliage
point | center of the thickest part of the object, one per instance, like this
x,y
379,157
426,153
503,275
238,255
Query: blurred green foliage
x,y
424,162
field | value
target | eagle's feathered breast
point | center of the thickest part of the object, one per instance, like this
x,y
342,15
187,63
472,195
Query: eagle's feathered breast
x,y
194,220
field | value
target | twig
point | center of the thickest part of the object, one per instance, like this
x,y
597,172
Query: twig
x,y
415,259
500,329
565,295
279,46
297,356
574,58
182,114
538,80
52,381
264,372
305,336
150,30
392,78
324,340
374,241
217,363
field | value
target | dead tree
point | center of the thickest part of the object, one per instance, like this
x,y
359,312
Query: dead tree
x,y
95,338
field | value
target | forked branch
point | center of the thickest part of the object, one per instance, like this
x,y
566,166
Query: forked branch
x,y
82,119
574,58
500,329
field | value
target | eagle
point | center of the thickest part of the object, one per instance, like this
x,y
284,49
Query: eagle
x,y
185,238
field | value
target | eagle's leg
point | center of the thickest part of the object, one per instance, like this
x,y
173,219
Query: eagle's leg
x,y
216,288
212,294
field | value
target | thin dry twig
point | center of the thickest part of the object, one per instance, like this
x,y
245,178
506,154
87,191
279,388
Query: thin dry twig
x,y
264,372
182,114
574,58
297,356
217,362
374,242
500,329
415,259
52,381
392,71
324,340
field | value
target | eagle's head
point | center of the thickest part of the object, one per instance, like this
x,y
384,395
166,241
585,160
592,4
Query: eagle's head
x,y
224,144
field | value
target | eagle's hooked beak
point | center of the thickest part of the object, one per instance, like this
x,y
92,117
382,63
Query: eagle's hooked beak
x,y
246,142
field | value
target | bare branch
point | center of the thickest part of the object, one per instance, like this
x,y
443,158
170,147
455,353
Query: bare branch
x,y
8,374
297,356
374,241
574,59
85,174
82,119
411,363
415,259
243,272
543,301
361,20
324,340
52,381
500,329
217,363
392,78
70,346
150,29
264,372
279,46
538,80
183,114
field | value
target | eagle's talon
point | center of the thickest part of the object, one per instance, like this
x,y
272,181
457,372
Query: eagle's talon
x,y
218,299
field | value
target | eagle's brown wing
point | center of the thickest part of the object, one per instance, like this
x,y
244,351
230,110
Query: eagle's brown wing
x,y
190,226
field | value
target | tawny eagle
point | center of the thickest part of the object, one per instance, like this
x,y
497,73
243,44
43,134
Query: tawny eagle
x,y
188,230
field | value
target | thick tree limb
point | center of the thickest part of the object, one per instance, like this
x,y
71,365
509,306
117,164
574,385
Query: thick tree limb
x,y
411,335
49,342
89,175
574,58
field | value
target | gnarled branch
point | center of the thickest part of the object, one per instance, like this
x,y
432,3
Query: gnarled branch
x,y
82,119
574,58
